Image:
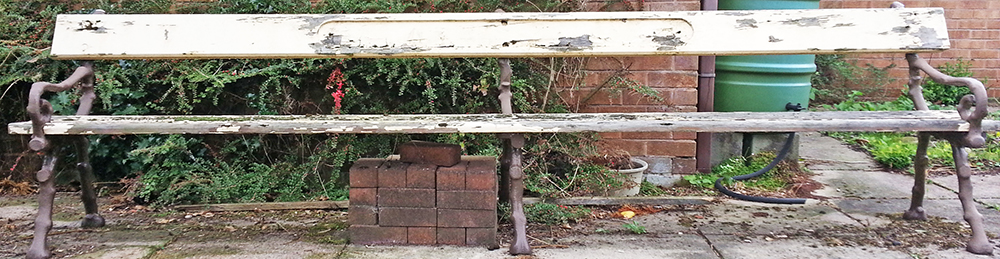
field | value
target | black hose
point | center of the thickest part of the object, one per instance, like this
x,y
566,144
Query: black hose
x,y
781,156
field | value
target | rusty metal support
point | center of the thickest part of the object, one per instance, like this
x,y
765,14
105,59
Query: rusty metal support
x,y
972,108
513,178
40,111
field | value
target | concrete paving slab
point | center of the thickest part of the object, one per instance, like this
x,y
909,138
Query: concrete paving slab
x,y
119,253
734,248
751,219
949,209
631,246
419,252
18,212
262,249
826,153
871,185
983,186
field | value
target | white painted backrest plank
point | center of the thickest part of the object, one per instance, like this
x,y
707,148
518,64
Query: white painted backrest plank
x,y
819,31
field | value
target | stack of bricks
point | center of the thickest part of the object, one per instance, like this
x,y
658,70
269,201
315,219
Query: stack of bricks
x,y
412,201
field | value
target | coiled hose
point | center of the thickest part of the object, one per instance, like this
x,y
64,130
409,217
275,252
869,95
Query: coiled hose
x,y
781,155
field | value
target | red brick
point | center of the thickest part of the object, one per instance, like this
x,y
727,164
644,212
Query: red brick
x,y
392,174
421,235
647,135
685,135
407,217
376,235
635,148
362,215
673,79
472,200
653,63
482,237
451,218
363,196
364,172
451,236
450,178
676,148
398,197
481,173
606,63
635,98
689,63
421,176
683,97
430,153
595,78
610,135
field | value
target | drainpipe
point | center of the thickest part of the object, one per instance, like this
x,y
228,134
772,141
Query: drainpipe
x,y
706,99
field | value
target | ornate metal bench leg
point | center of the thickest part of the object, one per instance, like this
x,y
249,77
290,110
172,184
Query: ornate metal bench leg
x,y
512,160
920,161
43,221
979,244
520,244
93,219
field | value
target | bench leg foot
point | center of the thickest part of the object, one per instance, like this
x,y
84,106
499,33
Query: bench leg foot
x,y
920,161
979,244
43,221
93,219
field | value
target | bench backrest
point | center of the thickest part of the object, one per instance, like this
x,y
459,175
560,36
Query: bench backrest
x,y
819,31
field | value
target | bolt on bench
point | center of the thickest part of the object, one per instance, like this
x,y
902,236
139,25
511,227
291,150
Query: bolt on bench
x,y
503,35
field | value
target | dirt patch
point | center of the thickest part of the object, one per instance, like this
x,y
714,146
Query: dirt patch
x,y
900,234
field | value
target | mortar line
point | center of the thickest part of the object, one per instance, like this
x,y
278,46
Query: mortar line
x,y
709,241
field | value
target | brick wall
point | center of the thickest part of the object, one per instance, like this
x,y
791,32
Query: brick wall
x,y
396,202
675,79
974,28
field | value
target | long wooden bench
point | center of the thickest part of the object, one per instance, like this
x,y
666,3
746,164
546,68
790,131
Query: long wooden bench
x,y
503,35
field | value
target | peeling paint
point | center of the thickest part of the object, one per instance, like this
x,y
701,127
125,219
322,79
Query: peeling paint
x,y
572,43
773,39
746,23
929,37
901,29
808,21
228,128
668,42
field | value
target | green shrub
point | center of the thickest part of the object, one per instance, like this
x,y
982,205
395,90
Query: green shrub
x,y
773,180
946,94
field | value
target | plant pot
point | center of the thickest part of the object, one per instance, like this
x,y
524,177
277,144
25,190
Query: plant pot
x,y
633,178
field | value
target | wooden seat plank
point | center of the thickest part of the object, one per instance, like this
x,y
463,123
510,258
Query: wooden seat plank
x,y
187,36
518,123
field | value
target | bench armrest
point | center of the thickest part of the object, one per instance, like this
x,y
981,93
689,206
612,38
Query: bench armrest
x,y
978,98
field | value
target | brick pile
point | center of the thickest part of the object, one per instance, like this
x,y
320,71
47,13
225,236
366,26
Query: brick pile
x,y
420,203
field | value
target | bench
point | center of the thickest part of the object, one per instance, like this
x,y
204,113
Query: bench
x,y
504,35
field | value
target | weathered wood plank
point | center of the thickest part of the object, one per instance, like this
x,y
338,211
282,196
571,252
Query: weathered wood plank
x,y
181,36
302,205
518,123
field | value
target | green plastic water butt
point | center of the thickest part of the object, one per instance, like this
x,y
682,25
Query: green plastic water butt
x,y
764,83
